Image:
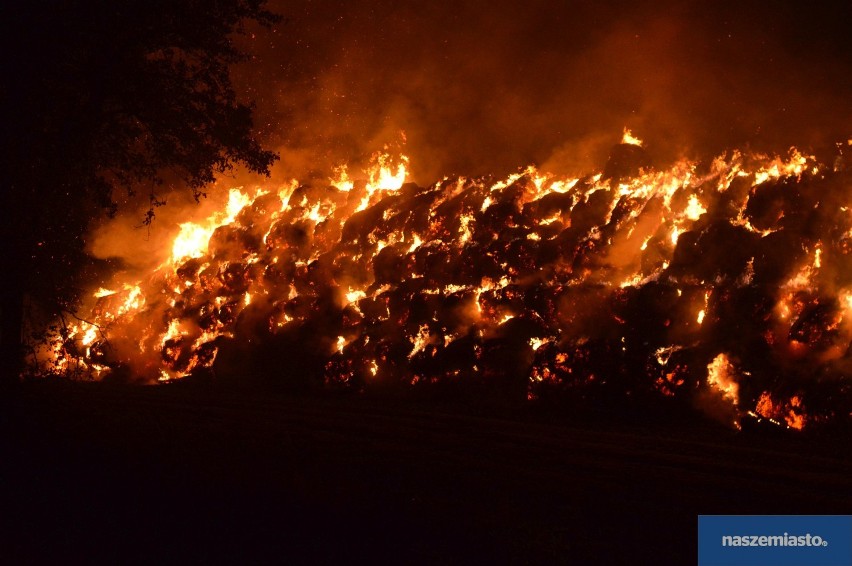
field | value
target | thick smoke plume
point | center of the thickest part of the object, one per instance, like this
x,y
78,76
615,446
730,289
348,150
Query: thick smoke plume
x,y
482,87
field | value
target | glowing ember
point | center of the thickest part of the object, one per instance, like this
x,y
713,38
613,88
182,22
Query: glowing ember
x,y
420,340
560,284
790,413
537,343
703,312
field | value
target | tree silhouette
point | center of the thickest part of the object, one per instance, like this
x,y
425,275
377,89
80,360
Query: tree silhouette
x,y
102,99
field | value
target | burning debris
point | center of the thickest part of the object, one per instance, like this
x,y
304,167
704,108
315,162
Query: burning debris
x,y
729,281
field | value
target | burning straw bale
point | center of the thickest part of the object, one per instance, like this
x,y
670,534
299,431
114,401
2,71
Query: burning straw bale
x,y
725,284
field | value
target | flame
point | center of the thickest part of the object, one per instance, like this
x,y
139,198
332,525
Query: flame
x,y
794,165
133,302
353,296
694,209
341,179
629,138
90,334
420,340
790,413
433,267
703,312
536,343
101,292
721,377
675,234
192,240
384,177
505,318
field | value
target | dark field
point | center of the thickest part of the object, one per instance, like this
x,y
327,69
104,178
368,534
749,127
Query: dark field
x,y
173,474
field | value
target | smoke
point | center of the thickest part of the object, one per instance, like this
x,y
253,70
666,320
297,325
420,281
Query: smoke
x,y
484,87
142,247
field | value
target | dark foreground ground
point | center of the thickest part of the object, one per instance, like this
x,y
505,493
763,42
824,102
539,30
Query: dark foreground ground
x,y
162,475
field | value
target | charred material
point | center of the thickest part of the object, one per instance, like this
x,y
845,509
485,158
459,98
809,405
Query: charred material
x,y
704,284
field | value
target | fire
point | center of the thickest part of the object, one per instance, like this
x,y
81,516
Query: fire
x,y
629,138
353,296
674,235
794,165
420,340
694,209
584,282
791,413
384,177
192,240
132,302
703,312
721,376
341,179
91,333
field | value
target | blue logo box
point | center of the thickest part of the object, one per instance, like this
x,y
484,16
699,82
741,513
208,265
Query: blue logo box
x,y
775,540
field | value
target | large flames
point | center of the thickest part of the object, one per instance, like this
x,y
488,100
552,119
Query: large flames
x,y
731,278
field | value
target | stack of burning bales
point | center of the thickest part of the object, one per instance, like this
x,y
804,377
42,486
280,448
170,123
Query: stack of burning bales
x,y
726,284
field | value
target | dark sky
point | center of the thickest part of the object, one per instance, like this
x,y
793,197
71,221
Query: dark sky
x,y
488,86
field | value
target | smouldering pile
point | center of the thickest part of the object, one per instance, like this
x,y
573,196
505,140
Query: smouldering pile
x,y
727,284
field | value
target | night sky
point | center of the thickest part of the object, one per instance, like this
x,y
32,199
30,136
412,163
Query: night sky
x,y
486,87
